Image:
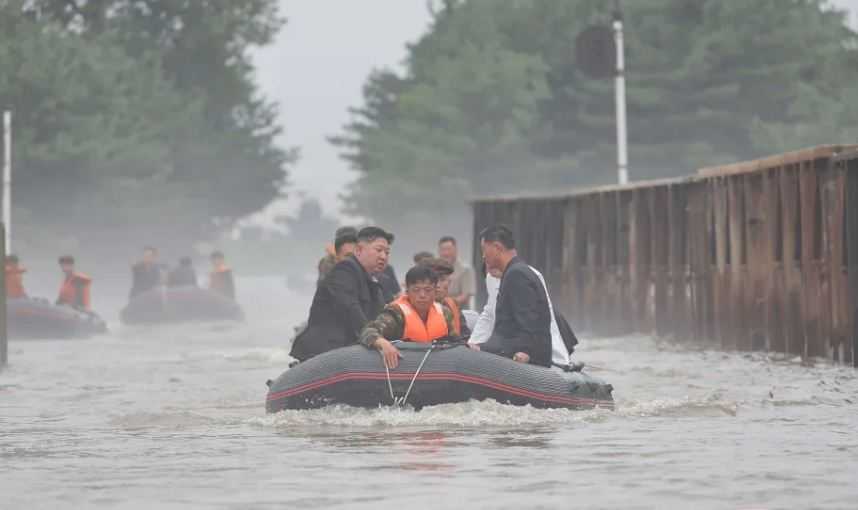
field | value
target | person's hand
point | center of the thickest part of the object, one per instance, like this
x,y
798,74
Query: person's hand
x,y
474,347
330,250
389,353
521,357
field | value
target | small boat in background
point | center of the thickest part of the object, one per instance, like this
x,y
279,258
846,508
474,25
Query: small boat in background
x,y
32,318
180,304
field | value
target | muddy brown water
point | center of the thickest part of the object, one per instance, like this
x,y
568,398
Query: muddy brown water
x,y
173,417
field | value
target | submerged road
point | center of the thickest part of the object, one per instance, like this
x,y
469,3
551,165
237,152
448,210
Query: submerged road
x,y
173,417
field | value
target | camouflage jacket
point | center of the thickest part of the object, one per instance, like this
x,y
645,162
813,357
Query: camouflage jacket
x,y
325,265
390,324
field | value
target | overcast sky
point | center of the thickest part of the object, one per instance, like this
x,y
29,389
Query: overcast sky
x,y
316,69
317,66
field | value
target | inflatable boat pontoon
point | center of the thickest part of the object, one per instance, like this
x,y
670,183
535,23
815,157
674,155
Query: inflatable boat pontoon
x,y
180,304
450,373
32,318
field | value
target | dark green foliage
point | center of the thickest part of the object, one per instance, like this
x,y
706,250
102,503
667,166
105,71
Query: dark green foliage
x,y
138,117
492,100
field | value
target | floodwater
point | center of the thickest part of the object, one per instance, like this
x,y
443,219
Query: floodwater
x,y
174,417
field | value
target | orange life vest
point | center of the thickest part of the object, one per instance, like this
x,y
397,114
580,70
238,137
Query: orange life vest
x,y
15,281
75,291
416,330
457,315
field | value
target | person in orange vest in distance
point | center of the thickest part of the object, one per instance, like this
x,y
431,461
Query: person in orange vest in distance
x,y
15,278
444,270
75,288
415,316
220,279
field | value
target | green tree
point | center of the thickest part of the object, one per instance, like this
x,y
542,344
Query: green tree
x,y
492,99
203,49
138,118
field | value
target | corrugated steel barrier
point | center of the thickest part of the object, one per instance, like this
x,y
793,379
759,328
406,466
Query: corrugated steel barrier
x,y
761,255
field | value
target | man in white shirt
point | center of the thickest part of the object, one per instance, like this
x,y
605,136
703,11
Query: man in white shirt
x,y
486,322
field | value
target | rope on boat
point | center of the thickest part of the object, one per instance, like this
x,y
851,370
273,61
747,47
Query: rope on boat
x,y
400,402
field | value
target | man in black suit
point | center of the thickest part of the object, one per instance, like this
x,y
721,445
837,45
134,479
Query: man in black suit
x,y
522,329
146,274
347,298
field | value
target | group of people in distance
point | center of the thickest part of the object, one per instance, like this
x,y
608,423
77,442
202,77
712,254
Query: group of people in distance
x,y
146,274
74,288
351,304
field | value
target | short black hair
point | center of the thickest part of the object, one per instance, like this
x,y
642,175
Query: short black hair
x,y
345,232
440,266
66,259
12,258
344,239
447,239
420,256
420,273
185,261
217,254
370,234
499,233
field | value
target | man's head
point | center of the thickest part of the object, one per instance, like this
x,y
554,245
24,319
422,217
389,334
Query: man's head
x,y
150,255
444,270
67,264
422,256
447,249
498,246
185,262
420,286
217,258
345,240
12,260
373,249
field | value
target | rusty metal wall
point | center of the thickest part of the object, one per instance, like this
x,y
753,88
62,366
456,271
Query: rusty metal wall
x,y
761,255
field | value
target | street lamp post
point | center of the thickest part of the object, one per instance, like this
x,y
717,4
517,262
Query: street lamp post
x,y
620,96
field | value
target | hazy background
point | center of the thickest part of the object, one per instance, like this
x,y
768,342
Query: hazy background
x,y
156,123
315,71
316,68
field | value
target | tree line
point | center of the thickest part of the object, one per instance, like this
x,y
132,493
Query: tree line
x,y
137,119
492,100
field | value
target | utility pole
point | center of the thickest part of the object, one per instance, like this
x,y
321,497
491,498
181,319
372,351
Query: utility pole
x,y
4,231
620,96
7,179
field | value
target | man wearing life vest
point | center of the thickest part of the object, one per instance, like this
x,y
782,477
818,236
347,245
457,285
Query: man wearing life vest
x,y
75,288
14,278
220,279
413,317
445,270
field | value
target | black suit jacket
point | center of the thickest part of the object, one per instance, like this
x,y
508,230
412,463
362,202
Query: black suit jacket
x,y
144,278
345,300
522,316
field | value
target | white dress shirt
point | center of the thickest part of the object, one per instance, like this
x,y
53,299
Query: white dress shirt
x,y
486,323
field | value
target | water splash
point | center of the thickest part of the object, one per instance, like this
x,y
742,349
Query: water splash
x,y
468,414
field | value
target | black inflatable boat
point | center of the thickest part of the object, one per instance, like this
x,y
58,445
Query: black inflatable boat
x,y
30,318
450,373
180,304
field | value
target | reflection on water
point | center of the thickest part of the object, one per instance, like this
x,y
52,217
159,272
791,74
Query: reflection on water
x,y
174,417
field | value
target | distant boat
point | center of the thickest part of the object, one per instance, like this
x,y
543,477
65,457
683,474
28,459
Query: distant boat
x,y
180,304
31,318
